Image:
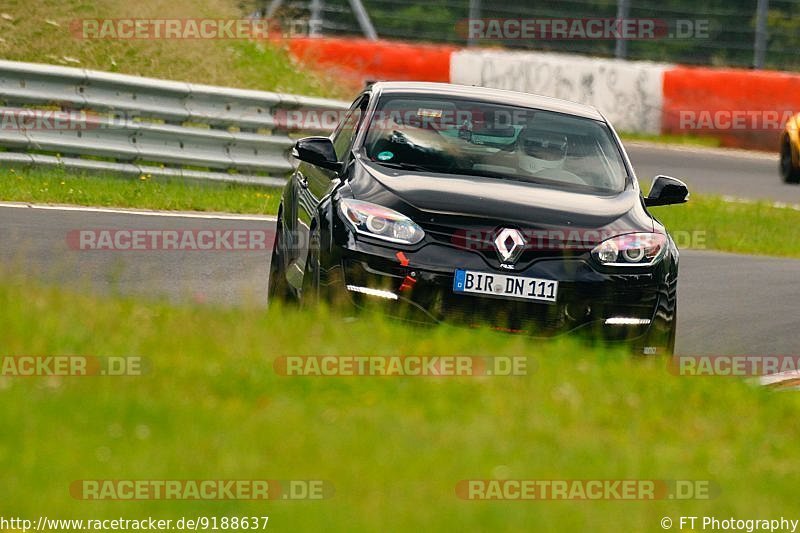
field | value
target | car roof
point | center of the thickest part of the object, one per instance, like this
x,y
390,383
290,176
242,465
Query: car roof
x,y
497,96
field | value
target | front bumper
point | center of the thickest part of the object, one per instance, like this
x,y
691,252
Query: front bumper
x,y
418,286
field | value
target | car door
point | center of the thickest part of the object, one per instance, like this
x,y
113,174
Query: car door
x,y
313,183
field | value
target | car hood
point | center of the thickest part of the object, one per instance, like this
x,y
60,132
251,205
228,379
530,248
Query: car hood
x,y
438,196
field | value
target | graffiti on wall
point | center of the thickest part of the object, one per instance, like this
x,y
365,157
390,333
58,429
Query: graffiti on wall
x,y
628,94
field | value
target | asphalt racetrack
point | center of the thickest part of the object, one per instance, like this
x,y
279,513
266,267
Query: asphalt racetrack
x,y
728,304
736,173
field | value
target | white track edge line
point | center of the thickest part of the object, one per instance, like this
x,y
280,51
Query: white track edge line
x,y
175,214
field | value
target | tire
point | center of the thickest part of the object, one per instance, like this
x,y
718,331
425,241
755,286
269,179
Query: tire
x,y
310,294
673,332
660,337
277,287
789,172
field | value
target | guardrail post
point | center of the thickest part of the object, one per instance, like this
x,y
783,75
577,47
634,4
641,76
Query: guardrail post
x,y
315,19
621,47
363,20
474,14
760,44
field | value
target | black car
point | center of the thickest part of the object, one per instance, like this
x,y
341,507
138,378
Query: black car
x,y
482,207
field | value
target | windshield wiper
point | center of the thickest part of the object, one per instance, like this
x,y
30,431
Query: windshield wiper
x,y
404,166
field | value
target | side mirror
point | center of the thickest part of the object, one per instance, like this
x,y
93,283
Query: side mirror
x,y
318,151
667,191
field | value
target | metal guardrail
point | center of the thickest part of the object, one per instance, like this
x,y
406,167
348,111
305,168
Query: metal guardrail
x,y
133,125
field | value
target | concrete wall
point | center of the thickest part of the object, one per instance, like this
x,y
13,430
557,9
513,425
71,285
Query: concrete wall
x,y
628,93
742,108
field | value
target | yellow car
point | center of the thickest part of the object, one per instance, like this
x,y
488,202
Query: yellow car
x,y
790,150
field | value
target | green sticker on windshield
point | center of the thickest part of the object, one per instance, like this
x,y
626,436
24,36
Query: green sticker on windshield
x,y
385,156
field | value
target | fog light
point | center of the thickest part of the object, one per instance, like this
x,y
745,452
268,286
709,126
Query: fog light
x,y
577,312
626,321
372,292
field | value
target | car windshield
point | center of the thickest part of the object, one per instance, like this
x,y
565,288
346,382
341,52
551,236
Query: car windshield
x,y
462,136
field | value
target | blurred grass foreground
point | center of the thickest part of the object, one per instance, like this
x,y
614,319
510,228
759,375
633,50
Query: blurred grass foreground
x,y
211,404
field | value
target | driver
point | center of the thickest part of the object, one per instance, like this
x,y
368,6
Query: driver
x,y
542,154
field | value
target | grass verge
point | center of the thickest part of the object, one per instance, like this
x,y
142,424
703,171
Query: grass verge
x,y
63,187
709,222
706,222
47,32
667,139
212,407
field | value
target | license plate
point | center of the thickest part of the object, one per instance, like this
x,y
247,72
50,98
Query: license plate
x,y
491,284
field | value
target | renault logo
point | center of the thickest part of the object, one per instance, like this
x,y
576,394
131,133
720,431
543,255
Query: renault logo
x,y
509,244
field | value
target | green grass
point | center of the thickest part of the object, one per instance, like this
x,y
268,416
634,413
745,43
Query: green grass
x,y
705,222
40,31
211,407
62,187
686,140
708,222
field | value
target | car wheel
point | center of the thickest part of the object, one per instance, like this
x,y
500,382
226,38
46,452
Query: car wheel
x,y
789,172
660,339
277,287
673,331
309,296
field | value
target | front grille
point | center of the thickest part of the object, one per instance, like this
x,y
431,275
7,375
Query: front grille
x,y
480,239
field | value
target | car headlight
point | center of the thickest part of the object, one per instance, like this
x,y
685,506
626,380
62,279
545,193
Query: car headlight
x,y
380,222
633,249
